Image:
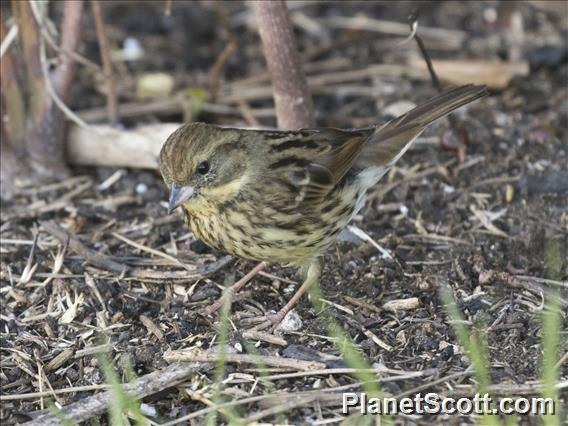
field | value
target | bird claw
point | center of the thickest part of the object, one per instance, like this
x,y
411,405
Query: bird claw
x,y
270,321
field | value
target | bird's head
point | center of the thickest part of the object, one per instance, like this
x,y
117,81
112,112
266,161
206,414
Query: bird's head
x,y
203,165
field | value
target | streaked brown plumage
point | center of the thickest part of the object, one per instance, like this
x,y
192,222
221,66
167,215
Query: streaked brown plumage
x,y
284,196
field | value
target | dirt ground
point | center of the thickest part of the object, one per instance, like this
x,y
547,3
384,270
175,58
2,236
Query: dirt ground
x,y
485,227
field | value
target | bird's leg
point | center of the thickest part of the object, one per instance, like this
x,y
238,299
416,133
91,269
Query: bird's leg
x,y
312,275
232,290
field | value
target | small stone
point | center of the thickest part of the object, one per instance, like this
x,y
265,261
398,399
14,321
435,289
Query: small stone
x,y
148,410
290,289
291,322
141,188
132,49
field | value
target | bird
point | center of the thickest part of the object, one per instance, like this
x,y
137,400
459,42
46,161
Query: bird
x,y
283,196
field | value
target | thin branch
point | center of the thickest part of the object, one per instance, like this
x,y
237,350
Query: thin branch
x,y
59,49
70,36
29,41
197,355
422,47
7,39
294,106
36,395
227,52
96,405
458,131
54,92
112,103
155,252
12,96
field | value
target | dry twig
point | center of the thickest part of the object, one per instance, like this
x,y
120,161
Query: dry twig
x,y
197,355
96,405
112,103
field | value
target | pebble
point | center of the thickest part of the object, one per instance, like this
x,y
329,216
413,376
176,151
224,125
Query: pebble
x,y
141,188
291,322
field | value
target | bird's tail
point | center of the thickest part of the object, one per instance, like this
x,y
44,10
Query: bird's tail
x,y
390,141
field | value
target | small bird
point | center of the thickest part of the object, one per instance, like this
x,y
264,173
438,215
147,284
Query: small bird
x,y
284,196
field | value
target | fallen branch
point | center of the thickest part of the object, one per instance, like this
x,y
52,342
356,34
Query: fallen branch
x,y
494,74
113,147
96,405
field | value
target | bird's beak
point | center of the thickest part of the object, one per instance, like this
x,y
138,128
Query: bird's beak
x,y
179,195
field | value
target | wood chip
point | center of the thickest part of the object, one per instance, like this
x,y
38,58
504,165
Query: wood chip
x,y
402,304
152,327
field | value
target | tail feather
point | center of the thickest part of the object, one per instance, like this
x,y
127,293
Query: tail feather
x,y
389,142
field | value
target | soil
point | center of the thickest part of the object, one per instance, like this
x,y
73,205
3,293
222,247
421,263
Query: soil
x,y
490,229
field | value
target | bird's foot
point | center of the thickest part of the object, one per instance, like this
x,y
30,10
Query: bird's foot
x,y
270,321
312,274
231,292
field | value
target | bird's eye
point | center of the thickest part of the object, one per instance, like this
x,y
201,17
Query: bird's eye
x,y
203,168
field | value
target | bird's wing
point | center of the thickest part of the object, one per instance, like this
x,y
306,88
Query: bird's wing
x,y
310,163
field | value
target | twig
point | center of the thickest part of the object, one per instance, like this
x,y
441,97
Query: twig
x,y
34,210
364,23
151,250
397,375
507,390
58,84
70,36
226,53
299,401
197,355
414,30
112,104
8,38
366,237
62,51
458,131
96,405
280,396
294,106
78,247
151,327
428,385
35,395
107,263
195,274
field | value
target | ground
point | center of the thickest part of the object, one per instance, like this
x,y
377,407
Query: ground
x,y
490,227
